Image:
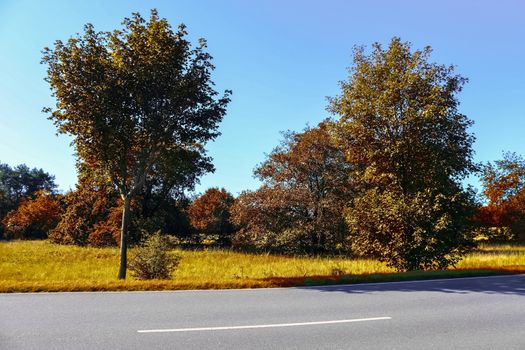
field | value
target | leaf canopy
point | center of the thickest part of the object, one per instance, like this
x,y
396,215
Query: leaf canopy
x,y
135,99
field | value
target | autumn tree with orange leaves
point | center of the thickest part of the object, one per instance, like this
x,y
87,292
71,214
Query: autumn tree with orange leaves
x,y
86,219
21,183
504,188
210,213
92,214
34,217
299,208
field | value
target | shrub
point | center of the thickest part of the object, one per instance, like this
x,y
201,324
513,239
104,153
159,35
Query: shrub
x,y
104,234
153,260
93,213
493,234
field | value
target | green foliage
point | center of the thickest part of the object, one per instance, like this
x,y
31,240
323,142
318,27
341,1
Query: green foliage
x,y
153,260
20,181
139,103
493,234
418,231
410,147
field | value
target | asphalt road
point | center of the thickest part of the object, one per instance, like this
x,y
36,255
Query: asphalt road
x,y
470,313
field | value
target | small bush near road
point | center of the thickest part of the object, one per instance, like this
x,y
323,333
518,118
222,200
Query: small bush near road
x,y
153,260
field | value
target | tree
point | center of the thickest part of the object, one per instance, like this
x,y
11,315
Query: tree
x,y
34,217
268,219
137,101
410,149
505,179
91,215
210,213
504,187
299,207
21,182
86,209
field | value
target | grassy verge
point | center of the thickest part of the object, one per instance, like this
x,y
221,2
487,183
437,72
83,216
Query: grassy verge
x,y
31,266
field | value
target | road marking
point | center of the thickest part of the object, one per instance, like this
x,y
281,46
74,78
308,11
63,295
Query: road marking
x,y
262,325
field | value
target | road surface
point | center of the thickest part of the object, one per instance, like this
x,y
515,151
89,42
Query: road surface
x,y
467,313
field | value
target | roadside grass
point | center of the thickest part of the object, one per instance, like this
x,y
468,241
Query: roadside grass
x,y
494,257
31,266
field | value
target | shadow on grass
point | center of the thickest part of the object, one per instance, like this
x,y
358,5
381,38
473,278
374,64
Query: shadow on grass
x,y
430,281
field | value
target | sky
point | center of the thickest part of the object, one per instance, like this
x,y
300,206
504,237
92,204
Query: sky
x,y
281,59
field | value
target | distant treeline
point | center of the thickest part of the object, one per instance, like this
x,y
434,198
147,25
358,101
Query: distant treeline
x,y
298,210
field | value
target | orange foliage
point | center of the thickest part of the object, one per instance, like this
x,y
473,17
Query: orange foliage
x,y
106,233
33,218
88,204
210,213
299,208
504,187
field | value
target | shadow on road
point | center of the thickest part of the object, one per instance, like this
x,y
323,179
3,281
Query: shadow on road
x,y
512,285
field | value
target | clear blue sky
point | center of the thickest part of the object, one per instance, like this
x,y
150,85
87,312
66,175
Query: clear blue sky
x,y
281,59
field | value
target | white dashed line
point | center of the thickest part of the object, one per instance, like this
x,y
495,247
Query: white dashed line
x,y
263,325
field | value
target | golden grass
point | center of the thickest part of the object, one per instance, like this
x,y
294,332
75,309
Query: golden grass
x,y
43,266
494,257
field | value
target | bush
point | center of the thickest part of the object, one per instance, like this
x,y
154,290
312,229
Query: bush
x,y
152,260
104,234
93,213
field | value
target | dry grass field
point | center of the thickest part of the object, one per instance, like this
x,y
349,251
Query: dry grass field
x,y
30,266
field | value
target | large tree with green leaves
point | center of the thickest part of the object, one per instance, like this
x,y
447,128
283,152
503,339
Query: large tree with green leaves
x,y
138,101
410,148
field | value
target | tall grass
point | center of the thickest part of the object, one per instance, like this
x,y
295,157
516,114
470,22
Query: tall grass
x,y
43,266
494,256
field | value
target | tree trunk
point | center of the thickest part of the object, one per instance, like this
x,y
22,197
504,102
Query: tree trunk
x,y
124,238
